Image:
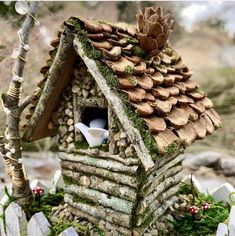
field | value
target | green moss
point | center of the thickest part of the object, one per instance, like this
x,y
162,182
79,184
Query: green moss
x,y
69,180
140,53
107,73
129,70
174,147
62,225
77,198
205,222
133,80
81,144
140,124
47,201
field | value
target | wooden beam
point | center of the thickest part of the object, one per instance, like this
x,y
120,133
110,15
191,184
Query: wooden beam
x,y
59,76
117,105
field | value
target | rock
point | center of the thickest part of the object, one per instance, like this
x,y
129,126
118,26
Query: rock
x,y
129,151
231,221
69,232
85,93
38,225
16,223
36,183
57,182
227,165
208,159
222,230
147,234
153,232
196,184
222,193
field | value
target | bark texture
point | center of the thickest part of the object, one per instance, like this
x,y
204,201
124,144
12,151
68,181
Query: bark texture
x,y
20,184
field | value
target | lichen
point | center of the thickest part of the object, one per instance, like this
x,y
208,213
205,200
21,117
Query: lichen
x,y
140,52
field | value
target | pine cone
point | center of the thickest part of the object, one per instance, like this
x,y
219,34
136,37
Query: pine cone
x,y
153,29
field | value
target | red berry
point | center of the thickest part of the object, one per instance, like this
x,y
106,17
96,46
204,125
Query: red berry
x,y
193,210
205,206
38,190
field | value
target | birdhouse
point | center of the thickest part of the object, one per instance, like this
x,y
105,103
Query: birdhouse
x,y
123,107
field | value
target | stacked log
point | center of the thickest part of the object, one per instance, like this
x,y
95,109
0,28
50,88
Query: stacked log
x,y
101,188
158,192
66,120
83,84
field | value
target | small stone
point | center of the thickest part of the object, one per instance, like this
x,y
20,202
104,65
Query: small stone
x,y
223,192
38,225
85,93
160,226
187,180
69,232
75,89
70,122
231,221
57,182
154,232
117,137
15,220
69,140
129,151
169,217
222,230
176,206
227,165
69,112
71,128
94,151
208,159
123,135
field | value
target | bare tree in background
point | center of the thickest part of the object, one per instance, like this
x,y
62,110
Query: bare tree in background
x,y
10,143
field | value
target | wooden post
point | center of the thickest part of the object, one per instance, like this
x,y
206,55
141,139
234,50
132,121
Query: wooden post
x,y
112,131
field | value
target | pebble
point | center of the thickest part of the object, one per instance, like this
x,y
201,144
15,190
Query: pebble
x,y
153,232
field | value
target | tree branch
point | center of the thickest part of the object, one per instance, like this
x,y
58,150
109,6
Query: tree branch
x,y
25,103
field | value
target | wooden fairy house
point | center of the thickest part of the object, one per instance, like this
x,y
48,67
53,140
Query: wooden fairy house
x,y
122,106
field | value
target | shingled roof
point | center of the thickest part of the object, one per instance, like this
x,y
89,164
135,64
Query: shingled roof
x,y
157,83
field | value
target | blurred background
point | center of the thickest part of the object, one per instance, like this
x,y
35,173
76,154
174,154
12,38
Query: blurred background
x,y
204,35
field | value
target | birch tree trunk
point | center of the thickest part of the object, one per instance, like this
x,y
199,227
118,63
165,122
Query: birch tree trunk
x,y
13,109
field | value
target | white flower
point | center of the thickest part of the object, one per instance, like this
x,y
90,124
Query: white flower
x,y
21,7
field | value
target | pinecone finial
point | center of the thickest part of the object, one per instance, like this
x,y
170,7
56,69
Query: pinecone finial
x,y
153,29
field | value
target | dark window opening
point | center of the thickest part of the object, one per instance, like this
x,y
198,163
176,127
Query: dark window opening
x,y
92,113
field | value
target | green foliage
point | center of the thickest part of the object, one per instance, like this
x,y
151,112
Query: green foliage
x,y
47,201
107,73
81,144
140,53
205,222
62,225
174,148
140,124
129,70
